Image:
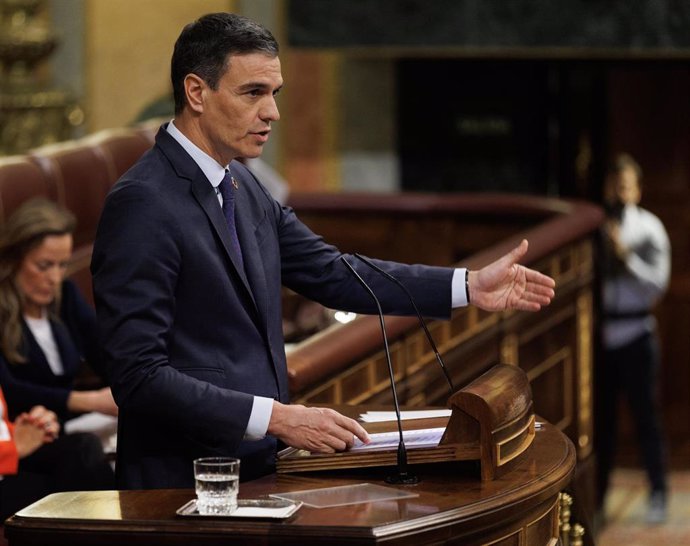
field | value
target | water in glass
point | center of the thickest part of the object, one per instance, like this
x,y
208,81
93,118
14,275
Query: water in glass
x,y
217,485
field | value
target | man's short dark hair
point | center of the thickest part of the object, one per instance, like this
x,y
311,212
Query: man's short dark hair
x,y
204,48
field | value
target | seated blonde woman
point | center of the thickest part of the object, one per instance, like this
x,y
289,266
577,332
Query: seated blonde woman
x,y
47,331
46,327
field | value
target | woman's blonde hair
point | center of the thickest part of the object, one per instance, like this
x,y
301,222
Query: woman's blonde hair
x,y
24,230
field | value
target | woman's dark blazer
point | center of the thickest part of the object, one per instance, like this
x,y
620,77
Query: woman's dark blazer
x,y
33,383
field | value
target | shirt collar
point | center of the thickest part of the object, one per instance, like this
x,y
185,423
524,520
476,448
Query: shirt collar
x,y
213,170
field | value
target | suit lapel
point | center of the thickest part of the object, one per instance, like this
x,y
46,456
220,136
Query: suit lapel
x,y
204,194
251,254
68,352
208,200
32,350
69,355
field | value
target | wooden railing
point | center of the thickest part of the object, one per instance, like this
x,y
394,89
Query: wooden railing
x,y
345,363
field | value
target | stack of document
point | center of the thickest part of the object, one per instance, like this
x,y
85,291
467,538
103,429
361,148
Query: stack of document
x,y
425,437
378,416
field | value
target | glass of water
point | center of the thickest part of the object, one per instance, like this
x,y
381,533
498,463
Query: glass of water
x,y
217,483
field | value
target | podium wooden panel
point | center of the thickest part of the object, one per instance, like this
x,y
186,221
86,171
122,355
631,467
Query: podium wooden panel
x,y
454,506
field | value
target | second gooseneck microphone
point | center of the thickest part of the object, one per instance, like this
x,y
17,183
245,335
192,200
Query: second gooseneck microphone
x,y
419,315
403,476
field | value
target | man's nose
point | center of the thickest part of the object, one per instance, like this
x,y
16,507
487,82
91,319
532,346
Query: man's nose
x,y
270,112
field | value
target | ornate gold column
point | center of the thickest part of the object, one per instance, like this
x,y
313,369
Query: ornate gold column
x,y
31,112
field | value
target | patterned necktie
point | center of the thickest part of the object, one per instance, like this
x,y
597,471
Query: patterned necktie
x,y
227,191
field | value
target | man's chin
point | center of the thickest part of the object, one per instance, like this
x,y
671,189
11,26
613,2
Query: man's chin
x,y
253,153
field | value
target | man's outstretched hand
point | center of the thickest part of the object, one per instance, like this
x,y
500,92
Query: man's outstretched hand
x,y
504,284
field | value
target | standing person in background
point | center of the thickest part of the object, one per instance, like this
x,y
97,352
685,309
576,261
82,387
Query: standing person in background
x,y
189,261
636,274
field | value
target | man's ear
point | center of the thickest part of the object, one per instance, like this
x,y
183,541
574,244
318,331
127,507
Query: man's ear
x,y
195,88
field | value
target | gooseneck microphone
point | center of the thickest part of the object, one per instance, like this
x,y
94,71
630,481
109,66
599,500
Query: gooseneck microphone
x,y
403,476
419,315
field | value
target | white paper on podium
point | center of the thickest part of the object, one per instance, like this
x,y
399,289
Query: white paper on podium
x,y
426,437
378,416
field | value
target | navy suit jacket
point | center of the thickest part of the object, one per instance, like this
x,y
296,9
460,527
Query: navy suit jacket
x,y
189,338
33,383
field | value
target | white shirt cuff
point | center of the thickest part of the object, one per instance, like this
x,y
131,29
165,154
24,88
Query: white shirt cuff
x,y
259,418
458,289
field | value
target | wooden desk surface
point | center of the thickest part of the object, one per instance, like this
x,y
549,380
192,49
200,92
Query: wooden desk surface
x,y
452,503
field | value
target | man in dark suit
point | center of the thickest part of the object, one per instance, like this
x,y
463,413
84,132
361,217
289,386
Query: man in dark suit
x,y
188,288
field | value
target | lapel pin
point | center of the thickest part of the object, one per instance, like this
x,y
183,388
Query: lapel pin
x,y
234,182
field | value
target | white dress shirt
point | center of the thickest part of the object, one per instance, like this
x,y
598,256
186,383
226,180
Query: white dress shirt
x,y
643,279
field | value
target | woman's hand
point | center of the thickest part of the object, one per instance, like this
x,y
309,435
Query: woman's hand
x,y
47,420
100,400
33,429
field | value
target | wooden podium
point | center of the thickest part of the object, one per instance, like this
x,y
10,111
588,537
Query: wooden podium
x,y
452,507
523,470
492,421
